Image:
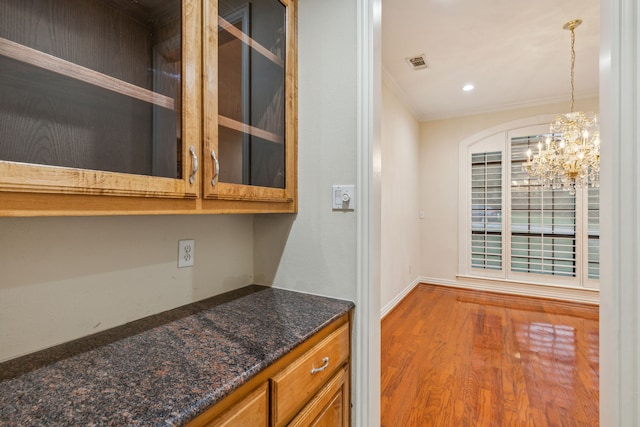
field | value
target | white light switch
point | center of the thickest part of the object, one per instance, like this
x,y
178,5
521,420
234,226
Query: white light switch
x,y
343,197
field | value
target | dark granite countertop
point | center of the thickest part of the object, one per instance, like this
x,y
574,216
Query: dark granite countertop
x,y
165,369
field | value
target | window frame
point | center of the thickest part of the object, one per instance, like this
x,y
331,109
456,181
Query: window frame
x,y
499,139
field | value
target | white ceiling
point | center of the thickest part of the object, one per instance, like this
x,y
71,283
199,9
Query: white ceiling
x,y
515,52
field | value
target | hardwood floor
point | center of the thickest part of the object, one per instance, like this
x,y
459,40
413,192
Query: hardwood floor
x,y
463,358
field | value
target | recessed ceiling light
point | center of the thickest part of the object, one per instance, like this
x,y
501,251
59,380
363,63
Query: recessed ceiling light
x,y
468,87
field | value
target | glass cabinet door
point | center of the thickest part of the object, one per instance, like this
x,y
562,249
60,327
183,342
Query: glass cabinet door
x,y
250,100
92,94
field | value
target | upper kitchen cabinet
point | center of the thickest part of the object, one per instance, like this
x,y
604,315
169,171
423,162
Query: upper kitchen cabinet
x,y
250,97
147,106
99,97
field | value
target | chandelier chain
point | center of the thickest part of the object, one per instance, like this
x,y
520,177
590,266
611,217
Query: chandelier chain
x,y
573,62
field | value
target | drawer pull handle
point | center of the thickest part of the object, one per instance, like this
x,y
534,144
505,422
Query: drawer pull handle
x,y
321,368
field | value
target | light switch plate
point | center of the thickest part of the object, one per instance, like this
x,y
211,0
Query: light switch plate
x,y
343,197
186,253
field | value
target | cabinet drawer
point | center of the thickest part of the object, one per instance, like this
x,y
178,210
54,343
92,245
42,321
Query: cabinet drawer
x,y
253,410
293,387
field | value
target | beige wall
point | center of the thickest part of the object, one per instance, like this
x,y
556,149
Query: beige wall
x,y
439,181
64,278
315,250
400,246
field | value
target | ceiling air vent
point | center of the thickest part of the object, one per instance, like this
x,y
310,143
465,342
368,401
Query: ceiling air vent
x,y
418,62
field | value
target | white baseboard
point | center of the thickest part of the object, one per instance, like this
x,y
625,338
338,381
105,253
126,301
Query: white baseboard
x,y
387,308
581,295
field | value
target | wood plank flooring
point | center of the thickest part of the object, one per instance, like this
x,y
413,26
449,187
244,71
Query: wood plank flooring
x,y
463,358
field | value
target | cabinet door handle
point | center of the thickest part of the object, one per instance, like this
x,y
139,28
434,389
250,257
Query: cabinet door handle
x,y
195,164
321,368
216,165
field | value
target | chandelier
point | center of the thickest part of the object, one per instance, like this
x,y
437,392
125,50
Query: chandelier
x,y
570,156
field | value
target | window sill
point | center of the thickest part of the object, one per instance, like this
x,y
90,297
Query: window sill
x,y
524,288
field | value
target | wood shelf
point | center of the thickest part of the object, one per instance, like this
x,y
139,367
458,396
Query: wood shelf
x,y
234,31
68,69
248,129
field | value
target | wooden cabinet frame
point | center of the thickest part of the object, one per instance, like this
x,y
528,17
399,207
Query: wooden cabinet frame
x,y
31,178
212,119
36,190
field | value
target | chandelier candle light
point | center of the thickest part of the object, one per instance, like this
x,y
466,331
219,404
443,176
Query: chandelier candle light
x,y
570,156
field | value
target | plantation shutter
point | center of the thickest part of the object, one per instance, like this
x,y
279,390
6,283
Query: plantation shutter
x,y
593,231
486,210
543,221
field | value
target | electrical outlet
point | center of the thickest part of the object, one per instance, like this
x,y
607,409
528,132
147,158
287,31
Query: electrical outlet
x,y
186,253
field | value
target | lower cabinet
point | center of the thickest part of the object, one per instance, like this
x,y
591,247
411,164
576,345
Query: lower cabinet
x,y
330,407
307,387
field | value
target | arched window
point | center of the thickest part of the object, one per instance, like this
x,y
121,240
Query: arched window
x,y
512,228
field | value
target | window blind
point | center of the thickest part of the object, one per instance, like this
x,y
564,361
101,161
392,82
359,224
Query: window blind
x,y
593,232
543,221
486,210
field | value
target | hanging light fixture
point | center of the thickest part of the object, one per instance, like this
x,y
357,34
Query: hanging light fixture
x,y
570,156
